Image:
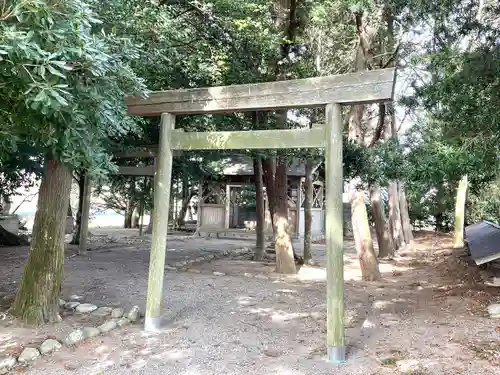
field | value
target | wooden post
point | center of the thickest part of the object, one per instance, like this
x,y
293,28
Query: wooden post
x,y
160,225
141,210
84,223
458,239
200,202
334,235
228,205
298,205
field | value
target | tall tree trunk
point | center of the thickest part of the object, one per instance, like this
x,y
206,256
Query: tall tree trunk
x,y
185,205
405,215
81,192
136,217
384,240
129,211
269,174
359,218
458,241
260,211
395,223
395,207
362,237
149,230
285,261
37,300
308,204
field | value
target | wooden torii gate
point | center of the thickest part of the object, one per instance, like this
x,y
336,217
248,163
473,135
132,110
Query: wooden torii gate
x,y
332,92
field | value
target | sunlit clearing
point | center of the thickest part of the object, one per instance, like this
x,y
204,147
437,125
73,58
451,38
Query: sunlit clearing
x,y
138,364
172,355
245,300
286,371
145,351
380,305
104,364
260,311
285,317
312,274
102,349
5,337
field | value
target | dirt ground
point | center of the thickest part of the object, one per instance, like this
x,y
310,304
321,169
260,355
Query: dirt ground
x,y
427,316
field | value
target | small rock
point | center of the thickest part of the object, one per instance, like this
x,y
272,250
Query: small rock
x,y
102,311
170,268
215,273
61,302
71,305
117,313
494,310
133,314
381,304
75,297
74,337
89,332
7,363
194,270
28,355
122,322
108,326
85,308
368,324
272,353
49,346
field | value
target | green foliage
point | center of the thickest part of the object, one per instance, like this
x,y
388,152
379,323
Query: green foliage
x,y
460,131
485,204
63,81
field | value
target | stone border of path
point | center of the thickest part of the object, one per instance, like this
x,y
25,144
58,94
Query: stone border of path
x,y
181,266
118,319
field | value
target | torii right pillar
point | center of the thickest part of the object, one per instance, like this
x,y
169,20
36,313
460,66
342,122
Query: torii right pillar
x,y
334,235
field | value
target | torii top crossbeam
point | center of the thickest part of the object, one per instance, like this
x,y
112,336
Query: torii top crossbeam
x,y
354,88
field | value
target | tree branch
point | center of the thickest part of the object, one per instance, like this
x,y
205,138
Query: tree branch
x,y
380,125
28,198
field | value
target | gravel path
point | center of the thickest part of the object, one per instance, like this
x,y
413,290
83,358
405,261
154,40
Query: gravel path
x,y
235,324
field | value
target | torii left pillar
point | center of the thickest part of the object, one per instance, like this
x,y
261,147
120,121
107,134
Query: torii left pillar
x,y
163,174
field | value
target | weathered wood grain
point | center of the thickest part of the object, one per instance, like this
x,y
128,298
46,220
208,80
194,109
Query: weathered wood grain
x,y
334,235
353,88
257,139
163,178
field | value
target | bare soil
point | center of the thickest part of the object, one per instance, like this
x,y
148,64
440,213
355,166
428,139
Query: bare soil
x,y
427,315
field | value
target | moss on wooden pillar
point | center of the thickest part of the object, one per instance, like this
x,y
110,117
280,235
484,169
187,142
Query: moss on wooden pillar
x,y
163,176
